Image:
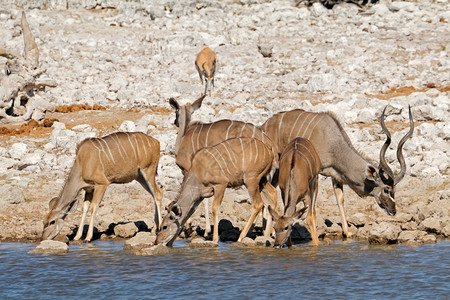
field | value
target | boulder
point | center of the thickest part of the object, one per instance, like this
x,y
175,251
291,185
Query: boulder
x,y
264,241
153,250
248,242
432,225
140,241
384,233
125,230
201,243
50,247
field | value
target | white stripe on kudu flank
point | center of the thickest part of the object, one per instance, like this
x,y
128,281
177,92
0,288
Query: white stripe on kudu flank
x,y
198,136
251,154
231,158
295,123
131,144
223,159
300,131
311,155
243,126
137,145
115,138
309,124
279,128
242,154
207,133
109,150
315,124
228,130
142,144
192,141
218,163
99,151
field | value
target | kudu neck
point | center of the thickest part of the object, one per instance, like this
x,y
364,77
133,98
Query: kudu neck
x,y
189,197
184,119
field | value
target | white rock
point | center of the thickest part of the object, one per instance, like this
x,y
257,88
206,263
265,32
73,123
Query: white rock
x,y
127,126
18,150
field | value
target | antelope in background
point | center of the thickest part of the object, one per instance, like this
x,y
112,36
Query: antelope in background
x,y
231,163
338,157
298,181
193,136
117,158
205,63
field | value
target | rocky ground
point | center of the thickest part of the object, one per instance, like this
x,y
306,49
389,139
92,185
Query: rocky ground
x,y
127,59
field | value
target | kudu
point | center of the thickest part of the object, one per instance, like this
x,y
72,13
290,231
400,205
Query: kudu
x,y
205,63
116,158
298,181
193,136
339,158
232,163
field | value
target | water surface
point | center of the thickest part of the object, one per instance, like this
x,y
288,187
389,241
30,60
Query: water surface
x,y
103,270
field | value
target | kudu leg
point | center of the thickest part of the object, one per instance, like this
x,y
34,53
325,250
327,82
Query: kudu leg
x,y
99,191
270,194
207,222
87,201
258,204
219,191
339,193
310,219
147,180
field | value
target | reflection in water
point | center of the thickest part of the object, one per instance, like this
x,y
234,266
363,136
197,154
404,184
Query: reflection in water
x,y
103,270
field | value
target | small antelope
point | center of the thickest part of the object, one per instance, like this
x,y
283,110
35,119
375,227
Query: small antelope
x,y
117,158
193,136
298,180
339,159
232,163
205,63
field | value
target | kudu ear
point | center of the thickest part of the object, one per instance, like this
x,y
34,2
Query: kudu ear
x,y
196,105
298,214
371,174
52,203
273,213
176,209
174,104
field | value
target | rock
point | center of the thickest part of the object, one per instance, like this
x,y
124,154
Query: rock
x,y
153,250
127,126
18,150
50,247
358,219
429,239
265,50
201,243
125,230
322,82
11,194
432,225
248,242
264,241
384,233
410,235
139,241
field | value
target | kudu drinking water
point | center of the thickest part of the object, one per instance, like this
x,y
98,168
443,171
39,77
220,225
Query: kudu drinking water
x,y
117,158
232,163
205,63
193,136
339,158
298,181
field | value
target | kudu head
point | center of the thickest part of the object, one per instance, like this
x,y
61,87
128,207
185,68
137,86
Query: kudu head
x,y
183,113
381,183
54,220
170,226
283,226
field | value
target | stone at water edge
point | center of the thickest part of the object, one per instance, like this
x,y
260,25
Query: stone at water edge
x,y
153,250
50,247
201,243
140,241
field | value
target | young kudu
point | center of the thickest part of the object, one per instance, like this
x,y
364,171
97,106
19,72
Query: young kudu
x,y
298,181
232,163
339,158
117,158
205,63
193,136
